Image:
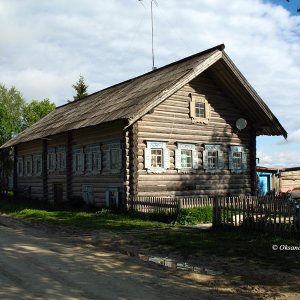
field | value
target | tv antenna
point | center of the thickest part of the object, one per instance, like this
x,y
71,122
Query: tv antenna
x,y
152,29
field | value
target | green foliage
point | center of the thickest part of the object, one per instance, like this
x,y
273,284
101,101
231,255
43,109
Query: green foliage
x,y
16,114
80,88
12,105
196,215
35,110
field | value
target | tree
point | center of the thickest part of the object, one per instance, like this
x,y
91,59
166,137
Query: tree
x,y
35,110
12,105
80,88
15,116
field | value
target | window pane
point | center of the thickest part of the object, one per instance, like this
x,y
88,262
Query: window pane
x,y
186,158
237,160
200,110
114,159
156,158
212,158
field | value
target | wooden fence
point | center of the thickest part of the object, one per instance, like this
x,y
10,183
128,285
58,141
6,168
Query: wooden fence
x,y
170,205
270,213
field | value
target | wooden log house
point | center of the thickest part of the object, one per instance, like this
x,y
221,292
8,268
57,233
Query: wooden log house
x,y
172,131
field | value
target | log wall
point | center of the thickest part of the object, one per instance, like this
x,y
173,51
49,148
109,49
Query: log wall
x,y
290,178
34,183
102,135
43,187
170,122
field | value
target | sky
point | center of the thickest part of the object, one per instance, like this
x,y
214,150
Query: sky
x,y
46,45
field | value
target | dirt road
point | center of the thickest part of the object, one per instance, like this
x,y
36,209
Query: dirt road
x,y
39,263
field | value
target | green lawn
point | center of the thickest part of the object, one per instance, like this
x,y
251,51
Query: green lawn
x,y
95,219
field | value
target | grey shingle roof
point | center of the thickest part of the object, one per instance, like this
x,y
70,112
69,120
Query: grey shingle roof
x,y
131,99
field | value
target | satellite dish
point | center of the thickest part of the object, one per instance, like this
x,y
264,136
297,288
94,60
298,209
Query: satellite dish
x,y
241,123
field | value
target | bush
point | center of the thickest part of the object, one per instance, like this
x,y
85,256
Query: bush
x,y
196,215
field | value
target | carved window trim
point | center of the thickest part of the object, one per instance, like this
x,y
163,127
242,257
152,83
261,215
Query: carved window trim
x,y
181,147
207,155
193,111
148,155
242,165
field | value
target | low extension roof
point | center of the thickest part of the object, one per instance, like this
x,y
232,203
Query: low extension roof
x,y
132,99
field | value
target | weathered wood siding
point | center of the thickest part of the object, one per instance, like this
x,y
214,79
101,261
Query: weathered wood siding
x,y
170,122
100,183
57,177
34,183
290,178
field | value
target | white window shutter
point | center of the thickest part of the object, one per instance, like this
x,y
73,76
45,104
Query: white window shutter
x,y
178,158
205,159
166,157
220,160
230,160
244,159
147,158
195,159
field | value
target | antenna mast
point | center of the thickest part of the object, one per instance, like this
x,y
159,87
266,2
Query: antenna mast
x,y
152,29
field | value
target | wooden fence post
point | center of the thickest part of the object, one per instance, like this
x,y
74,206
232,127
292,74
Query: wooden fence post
x,y
216,212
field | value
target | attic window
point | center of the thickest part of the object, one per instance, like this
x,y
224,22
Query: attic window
x,y
199,109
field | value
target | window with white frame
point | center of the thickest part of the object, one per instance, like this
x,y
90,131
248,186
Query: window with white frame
x,y
51,159
37,165
213,160
20,166
199,109
28,165
78,160
237,158
114,157
157,157
93,159
186,157
61,158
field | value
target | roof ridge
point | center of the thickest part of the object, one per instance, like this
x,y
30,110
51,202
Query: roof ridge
x,y
220,47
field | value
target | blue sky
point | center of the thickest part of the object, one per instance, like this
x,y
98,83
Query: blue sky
x,y
46,45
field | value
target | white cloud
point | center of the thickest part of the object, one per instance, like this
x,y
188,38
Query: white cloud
x,y
279,159
294,136
44,45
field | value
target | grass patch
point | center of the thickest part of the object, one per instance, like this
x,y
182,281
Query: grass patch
x,y
93,219
196,215
226,243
